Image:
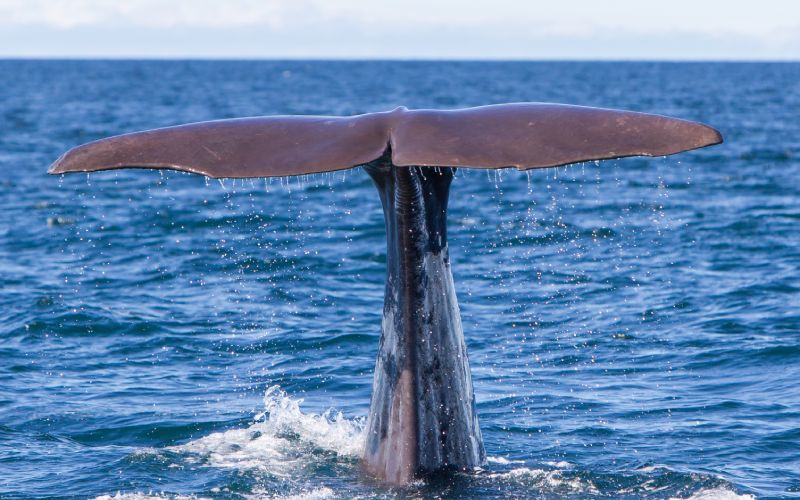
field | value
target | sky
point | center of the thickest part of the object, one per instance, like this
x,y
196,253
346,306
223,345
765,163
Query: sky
x,y
413,29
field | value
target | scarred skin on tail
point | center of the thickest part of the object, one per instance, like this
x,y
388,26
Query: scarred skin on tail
x,y
422,415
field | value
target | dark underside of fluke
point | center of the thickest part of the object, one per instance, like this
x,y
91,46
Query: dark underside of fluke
x,y
422,414
524,135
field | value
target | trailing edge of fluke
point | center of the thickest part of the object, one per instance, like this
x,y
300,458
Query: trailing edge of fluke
x,y
522,135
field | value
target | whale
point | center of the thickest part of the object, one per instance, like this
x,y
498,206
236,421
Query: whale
x,y
422,418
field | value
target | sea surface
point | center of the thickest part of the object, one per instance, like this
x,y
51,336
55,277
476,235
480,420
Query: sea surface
x,y
633,325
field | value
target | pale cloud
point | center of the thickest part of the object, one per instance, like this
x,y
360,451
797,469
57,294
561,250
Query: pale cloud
x,y
563,17
712,29
147,13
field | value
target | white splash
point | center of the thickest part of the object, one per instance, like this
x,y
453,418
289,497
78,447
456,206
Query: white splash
x,y
321,493
281,441
719,493
545,479
561,464
143,496
503,461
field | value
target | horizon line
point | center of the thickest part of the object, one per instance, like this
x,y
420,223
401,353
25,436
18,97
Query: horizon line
x,y
152,58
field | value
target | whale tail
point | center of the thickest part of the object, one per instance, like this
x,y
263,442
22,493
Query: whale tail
x,y
422,414
524,135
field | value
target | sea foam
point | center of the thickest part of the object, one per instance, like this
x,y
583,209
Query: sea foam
x,y
281,440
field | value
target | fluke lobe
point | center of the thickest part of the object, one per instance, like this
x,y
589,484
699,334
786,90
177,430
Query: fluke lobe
x,y
422,414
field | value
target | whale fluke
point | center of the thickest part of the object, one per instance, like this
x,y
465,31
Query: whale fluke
x,y
538,135
522,135
422,416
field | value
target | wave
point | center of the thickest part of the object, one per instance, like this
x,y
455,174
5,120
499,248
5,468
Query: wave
x,y
285,446
719,493
282,438
313,494
552,481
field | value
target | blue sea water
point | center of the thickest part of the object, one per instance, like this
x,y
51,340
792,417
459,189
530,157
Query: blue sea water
x,y
633,325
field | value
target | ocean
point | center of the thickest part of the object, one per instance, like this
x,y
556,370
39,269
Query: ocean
x,y
633,325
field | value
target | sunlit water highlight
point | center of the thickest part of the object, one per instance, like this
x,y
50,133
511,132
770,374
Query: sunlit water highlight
x,y
633,326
